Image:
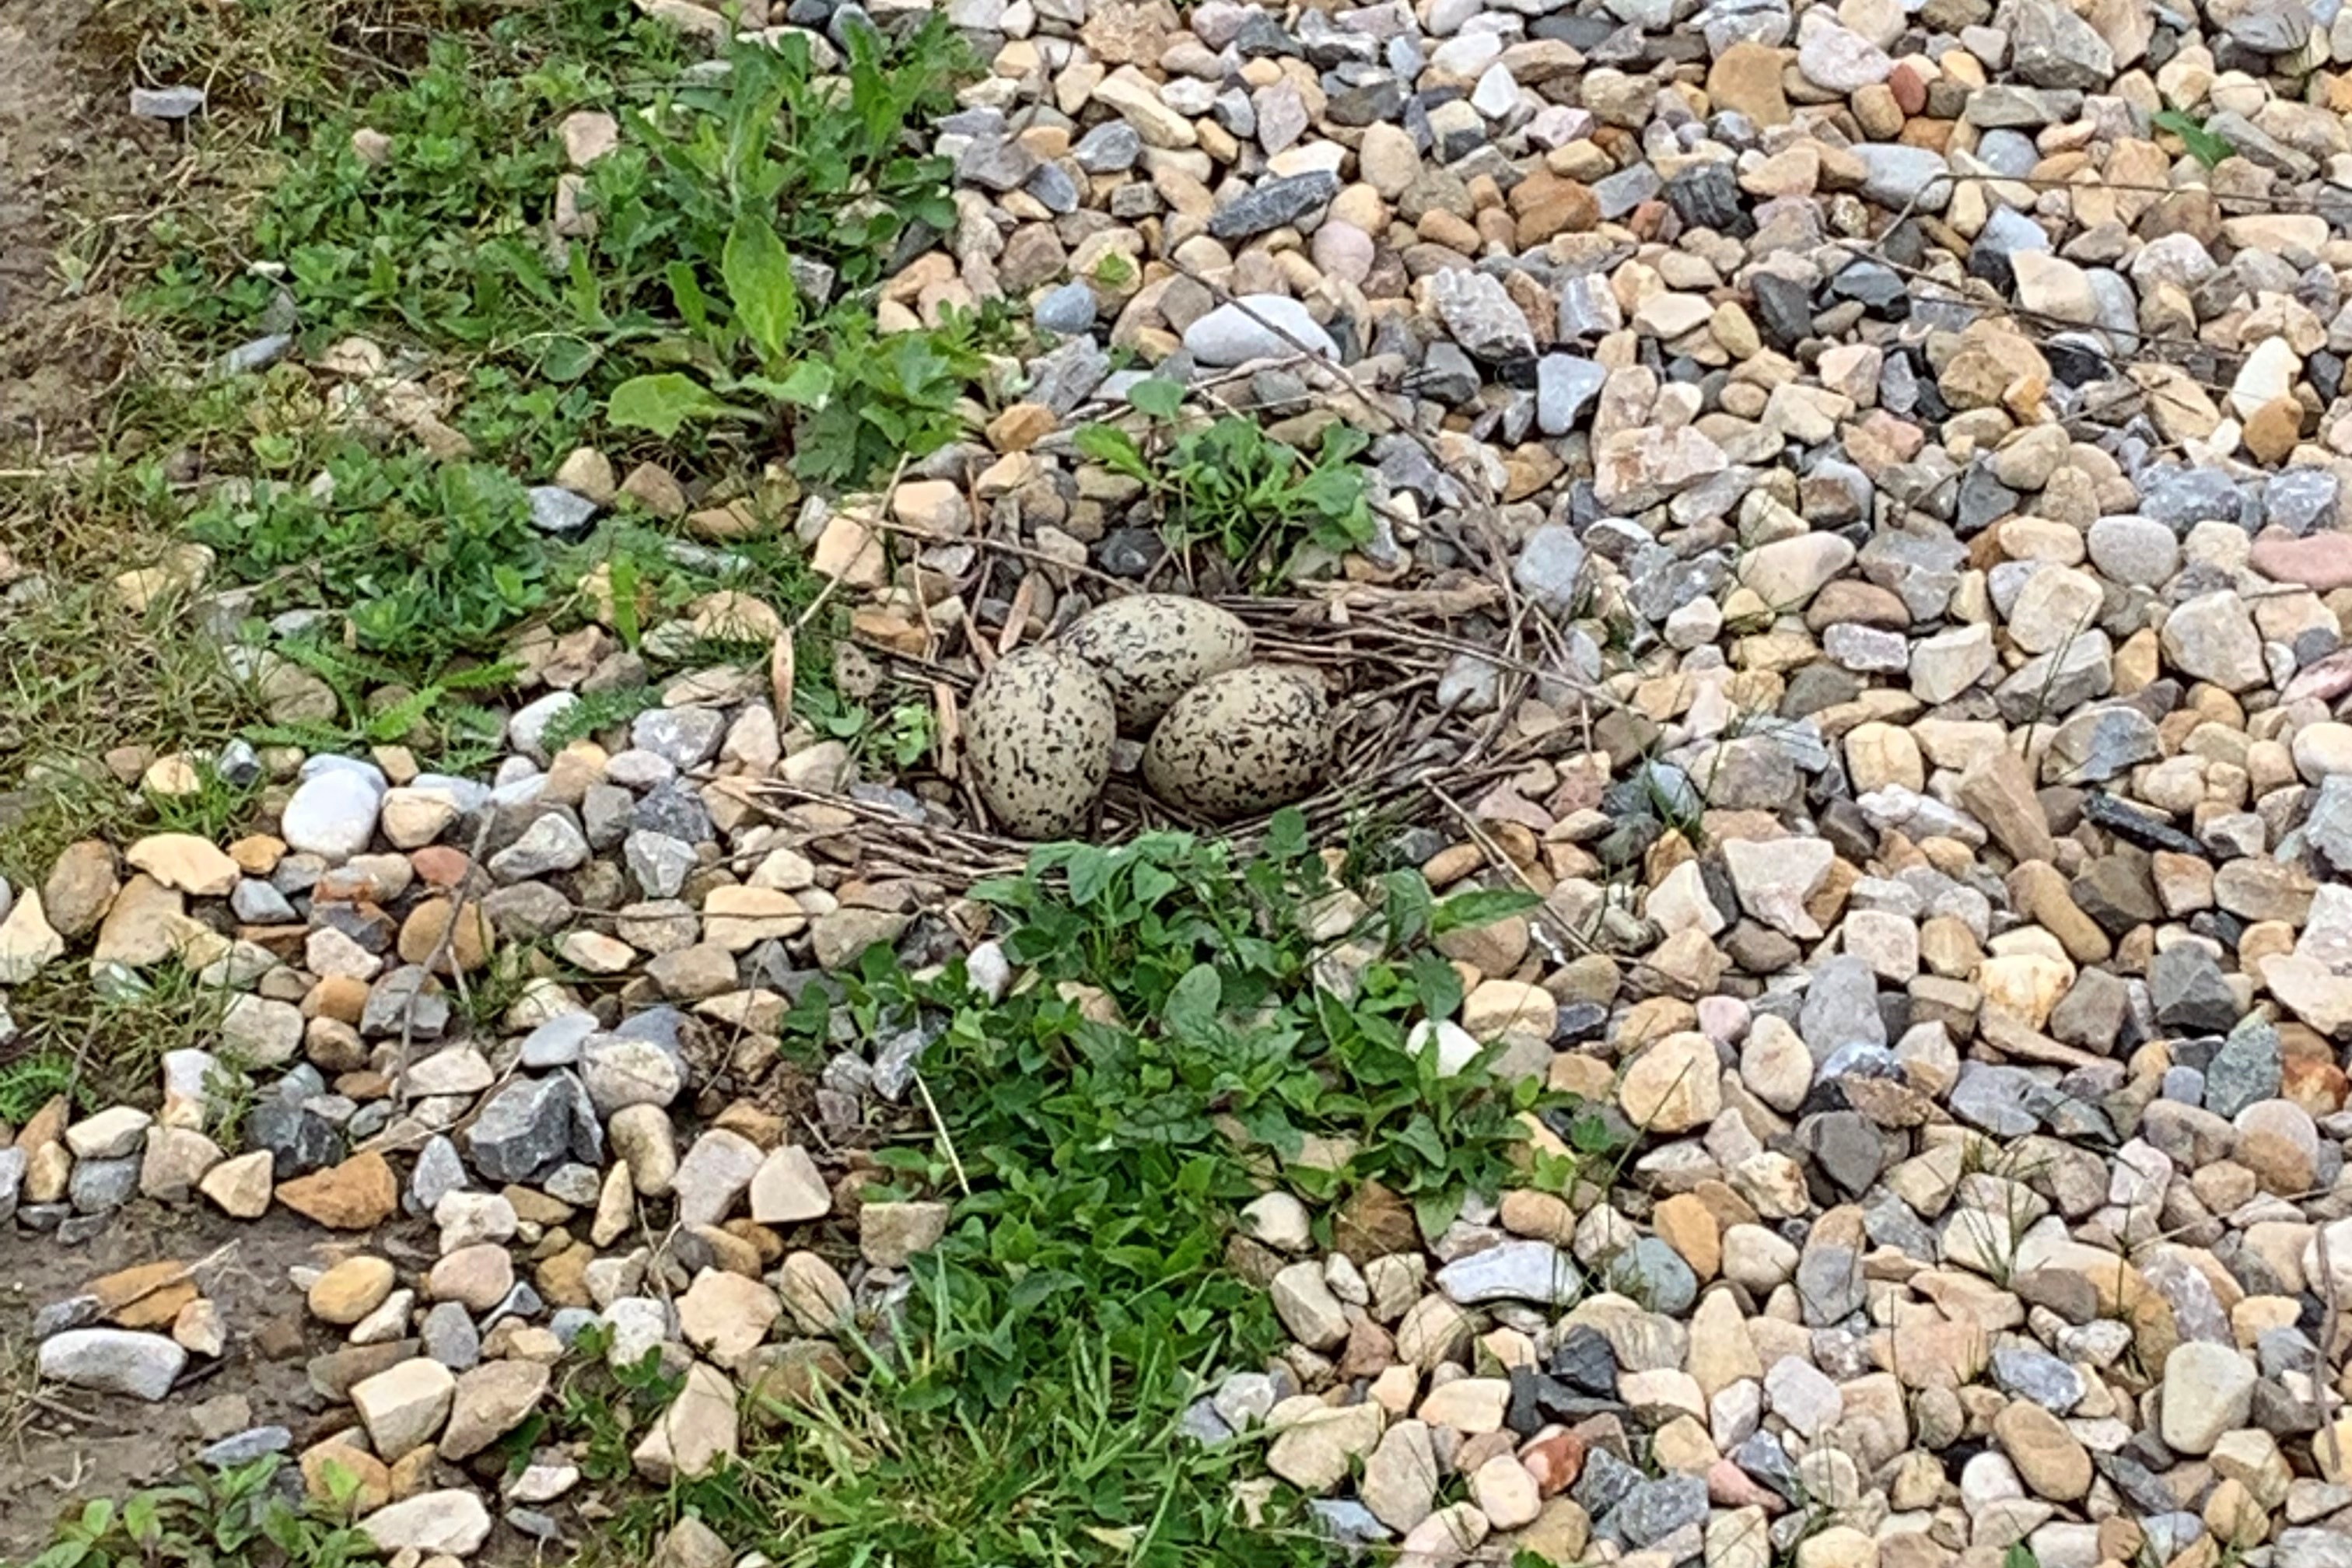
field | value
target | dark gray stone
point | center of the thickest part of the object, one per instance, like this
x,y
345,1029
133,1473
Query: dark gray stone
x,y
528,1127
1274,204
2192,995
1841,1009
1655,1510
2247,1068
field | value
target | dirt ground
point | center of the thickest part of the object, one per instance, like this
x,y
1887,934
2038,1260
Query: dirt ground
x,y
68,149
67,141
77,1446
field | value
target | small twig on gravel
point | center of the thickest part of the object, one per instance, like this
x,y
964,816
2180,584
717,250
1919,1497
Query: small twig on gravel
x,y
442,949
878,526
2330,1355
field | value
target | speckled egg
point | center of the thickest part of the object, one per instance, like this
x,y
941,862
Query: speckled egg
x,y
1243,742
1038,732
1151,649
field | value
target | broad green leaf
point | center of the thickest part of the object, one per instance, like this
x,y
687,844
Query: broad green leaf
x,y
1114,449
1192,1005
686,292
568,358
662,403
1157,396
759,287
808,384
1090,870
1480,907
2207,147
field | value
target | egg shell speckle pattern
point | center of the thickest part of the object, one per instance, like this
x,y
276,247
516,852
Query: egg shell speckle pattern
x,y
1151,649
1038,732
1243,742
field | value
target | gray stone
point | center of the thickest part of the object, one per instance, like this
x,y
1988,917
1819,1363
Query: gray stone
x,y
2050,45
1515,1271
557,1043
1653,1273
1481,315
1068,309
1258,326
101,1186
528,1127
1830,1287
1274,204
448,1335
620,1071
551,843
1841,1009
1565,385
243,1448
2247,1068
684,737
2191,993
2005,1101
407,1001
2301,500
113,1360
1550,568
2031,1372
565,513
2312,1548
1900,176
12,1182
1655,1510
1108,148
2135,551
659,863
166,103
332,813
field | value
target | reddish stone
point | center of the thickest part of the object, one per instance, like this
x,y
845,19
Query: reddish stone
x,y
1555,1459
2320,562
1909,87
1728,1486
440,865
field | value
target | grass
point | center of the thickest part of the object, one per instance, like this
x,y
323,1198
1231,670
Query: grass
x,y
1097,1129
112,1029
441,253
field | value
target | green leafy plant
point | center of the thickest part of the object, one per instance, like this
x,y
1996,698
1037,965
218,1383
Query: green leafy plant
x,y
598,710
598,1407
1178,1044
209,811
2207,147
237,1518
1225,482
765,303
425,560
908,739
460,733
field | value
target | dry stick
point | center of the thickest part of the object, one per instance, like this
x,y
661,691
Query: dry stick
x,y
458,899
2330,1357
1494,853
881,512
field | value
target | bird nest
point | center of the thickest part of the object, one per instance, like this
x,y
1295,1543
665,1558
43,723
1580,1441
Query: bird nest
x,y
1401,756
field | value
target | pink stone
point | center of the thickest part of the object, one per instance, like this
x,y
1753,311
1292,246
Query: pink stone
x,y
2320,562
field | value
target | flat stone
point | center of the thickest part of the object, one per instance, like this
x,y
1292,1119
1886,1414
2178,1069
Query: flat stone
x,y
112,1360
1516,1270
